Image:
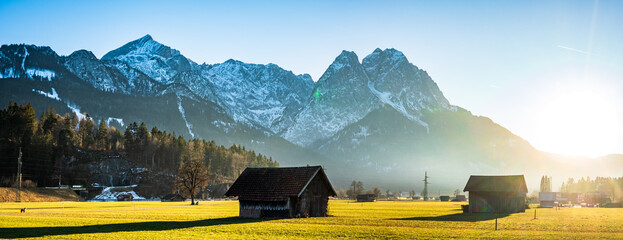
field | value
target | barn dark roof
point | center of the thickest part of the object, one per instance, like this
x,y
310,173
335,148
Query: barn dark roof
x,y
510,183
275,184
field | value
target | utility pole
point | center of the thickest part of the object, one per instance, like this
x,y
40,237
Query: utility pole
x,y
425,192
19,175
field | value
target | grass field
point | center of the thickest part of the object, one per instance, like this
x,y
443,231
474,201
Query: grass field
x,y
218,220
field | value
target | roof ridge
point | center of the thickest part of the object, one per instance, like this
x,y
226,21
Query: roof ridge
x,y
288,167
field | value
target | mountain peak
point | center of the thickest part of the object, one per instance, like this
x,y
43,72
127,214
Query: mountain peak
x,y
345,59
395,54
158,61
83,54
142,46
390,55
146,38
349,55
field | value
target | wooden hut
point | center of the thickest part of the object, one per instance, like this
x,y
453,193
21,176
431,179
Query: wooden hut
x,y
173,197
499,194
282,192
368,197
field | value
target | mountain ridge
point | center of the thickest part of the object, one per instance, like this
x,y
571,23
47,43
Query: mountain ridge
x,y
379,116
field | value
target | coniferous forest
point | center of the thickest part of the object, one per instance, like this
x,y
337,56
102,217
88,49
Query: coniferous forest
x,y
71,150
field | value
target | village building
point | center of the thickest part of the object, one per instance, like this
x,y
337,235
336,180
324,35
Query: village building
x,y
368,197
125,197
594,199
282,192
497,194
548,199
459,198
444,198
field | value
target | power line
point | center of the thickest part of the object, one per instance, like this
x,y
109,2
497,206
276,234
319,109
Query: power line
x,y
425,192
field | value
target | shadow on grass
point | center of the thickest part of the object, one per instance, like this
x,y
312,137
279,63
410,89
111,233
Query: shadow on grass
x,y
31,232
459,217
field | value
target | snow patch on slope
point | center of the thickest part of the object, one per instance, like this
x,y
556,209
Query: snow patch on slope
x,y
109,195
8,73
43,73
74,108
386,98
188,125
53,95
118,120
24,60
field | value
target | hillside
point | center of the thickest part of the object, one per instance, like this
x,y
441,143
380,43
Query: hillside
x,y
38,195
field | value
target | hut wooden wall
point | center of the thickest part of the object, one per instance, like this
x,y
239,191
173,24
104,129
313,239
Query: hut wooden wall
x,y
366,198
258,209
499,202
314,200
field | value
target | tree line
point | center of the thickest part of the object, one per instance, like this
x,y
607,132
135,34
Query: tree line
x,y
611,185
52,142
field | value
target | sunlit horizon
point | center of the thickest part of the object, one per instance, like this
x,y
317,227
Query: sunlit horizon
x,y
578,122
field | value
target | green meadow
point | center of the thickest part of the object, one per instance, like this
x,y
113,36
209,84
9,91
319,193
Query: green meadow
x,y
218,220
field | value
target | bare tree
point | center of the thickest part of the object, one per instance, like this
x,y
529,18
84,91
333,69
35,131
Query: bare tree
x,y
191,177
377,192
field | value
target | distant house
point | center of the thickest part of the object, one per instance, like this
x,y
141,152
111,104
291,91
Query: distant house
x,y
499,194
282,192
125,197
547,199
444,198
404,195
173,198
596,198
459,198
368,197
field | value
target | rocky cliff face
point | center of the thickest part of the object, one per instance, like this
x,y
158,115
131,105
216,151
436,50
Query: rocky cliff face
x,y
340,97
349,90
158,61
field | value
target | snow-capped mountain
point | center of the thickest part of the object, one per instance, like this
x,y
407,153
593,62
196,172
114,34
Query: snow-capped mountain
x,y
16,61
262,96
158,61
379,116
340,98
265,97
349,90
400,84
112,75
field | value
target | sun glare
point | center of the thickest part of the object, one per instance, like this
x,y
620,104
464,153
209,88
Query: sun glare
x,y
578,121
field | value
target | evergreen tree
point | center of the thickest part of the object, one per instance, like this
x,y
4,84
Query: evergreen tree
x,y
19,123
101,140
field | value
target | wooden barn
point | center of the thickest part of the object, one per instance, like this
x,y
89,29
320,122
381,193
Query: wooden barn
x,y
498,194
367,197
282,192
173,197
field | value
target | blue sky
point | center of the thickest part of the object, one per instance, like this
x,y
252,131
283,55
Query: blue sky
x,y
517,62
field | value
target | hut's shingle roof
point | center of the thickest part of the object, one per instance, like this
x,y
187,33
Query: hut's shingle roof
x,y
275,184
510,183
